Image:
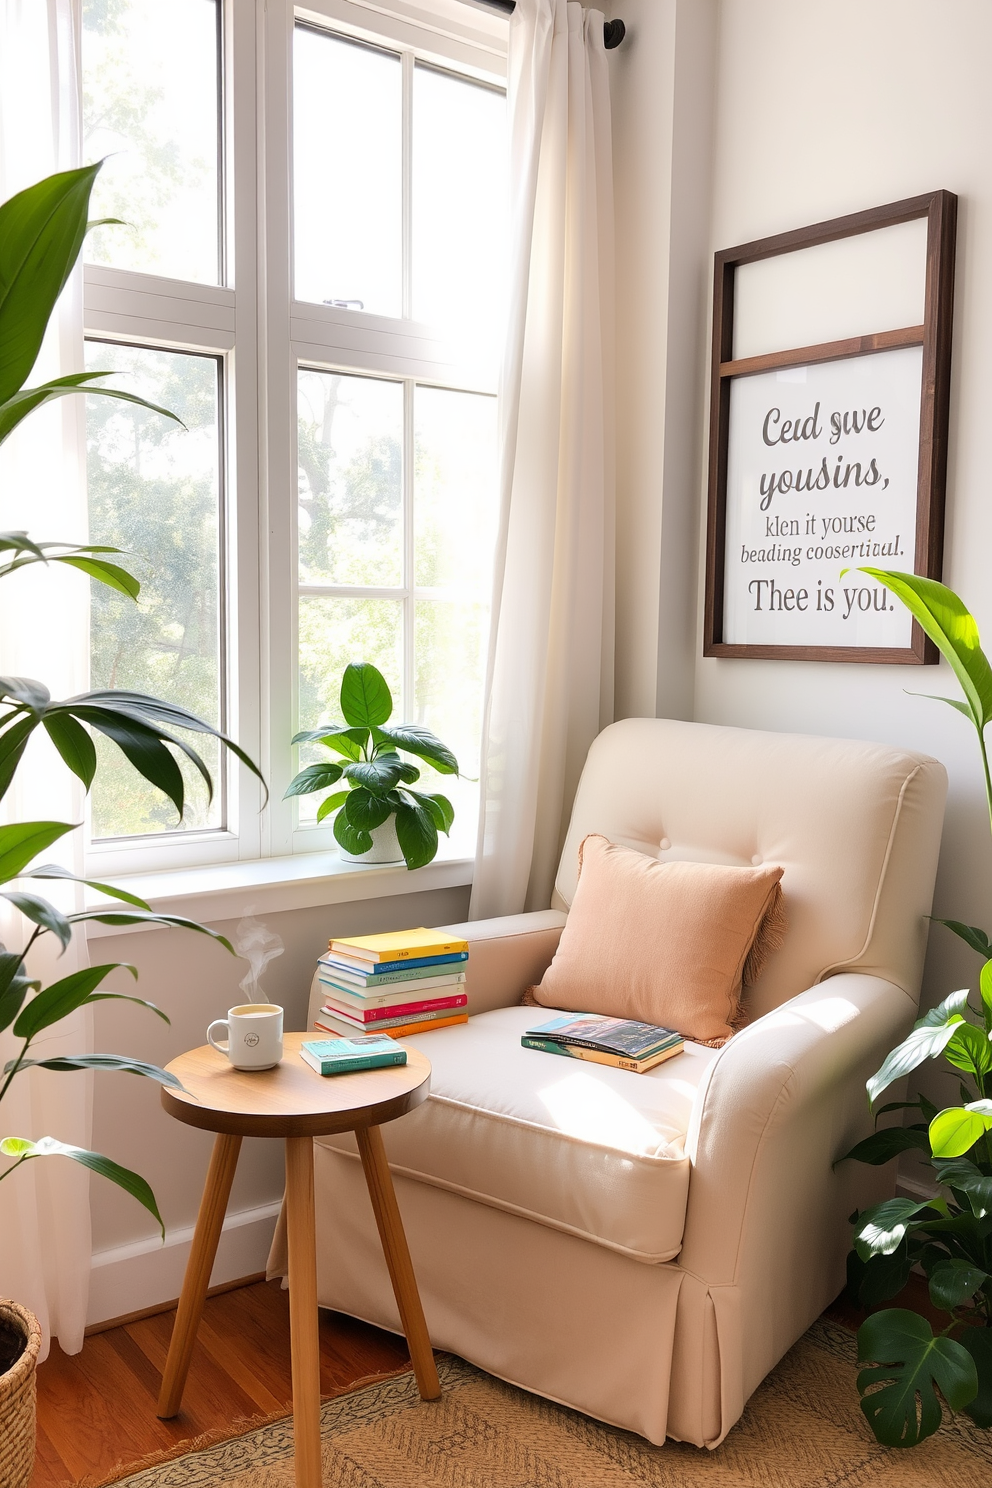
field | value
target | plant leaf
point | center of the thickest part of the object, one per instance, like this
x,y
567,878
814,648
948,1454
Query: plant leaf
x,y
348,742
928,1039
376,775
63,997
55,870
952,629
970,934
40,912
113,916
314,778
41,232
882,1227
969,1050
886,1144
420,741
365,699
955,1131
985,990
907,1362
14,987
13,742
144,750
331,803
879,1279
17,407
349,837
978,1342
961,1175
66,1063
953,1281
417,835
22,841
73,744
132,1183
364,811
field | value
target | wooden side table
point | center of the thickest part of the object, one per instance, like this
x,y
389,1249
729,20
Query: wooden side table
x,y
294,1102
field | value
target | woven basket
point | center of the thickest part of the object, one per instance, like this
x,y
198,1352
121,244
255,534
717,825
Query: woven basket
x,y
17,1400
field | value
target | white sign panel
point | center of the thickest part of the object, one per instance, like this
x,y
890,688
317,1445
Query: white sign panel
x,y
822,470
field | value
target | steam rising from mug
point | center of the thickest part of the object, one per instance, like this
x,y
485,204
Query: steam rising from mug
x,y
258,945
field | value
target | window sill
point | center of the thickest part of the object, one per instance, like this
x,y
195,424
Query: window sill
x,y
226,891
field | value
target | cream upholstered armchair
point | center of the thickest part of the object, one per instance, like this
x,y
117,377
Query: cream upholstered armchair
x,y
646,1247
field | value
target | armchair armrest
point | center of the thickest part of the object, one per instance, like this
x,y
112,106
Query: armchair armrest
x,y
507,954
766,1232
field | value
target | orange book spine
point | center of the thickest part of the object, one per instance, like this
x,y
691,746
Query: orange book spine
x,y
404,1030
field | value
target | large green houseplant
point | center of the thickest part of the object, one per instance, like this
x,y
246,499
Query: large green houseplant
x,y
376,781
41,235
949,1238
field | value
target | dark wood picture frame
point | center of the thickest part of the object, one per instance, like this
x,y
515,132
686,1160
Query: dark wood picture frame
x,y
934,335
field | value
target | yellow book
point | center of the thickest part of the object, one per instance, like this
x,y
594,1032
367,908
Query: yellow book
x,y
398,945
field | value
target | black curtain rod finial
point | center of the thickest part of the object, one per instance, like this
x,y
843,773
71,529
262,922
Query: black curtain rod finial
x,y
613,31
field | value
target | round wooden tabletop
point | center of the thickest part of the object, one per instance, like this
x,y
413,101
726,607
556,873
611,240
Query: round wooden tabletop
x,y
291,1100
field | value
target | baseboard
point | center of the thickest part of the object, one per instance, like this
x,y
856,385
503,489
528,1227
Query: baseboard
x,y
136,1278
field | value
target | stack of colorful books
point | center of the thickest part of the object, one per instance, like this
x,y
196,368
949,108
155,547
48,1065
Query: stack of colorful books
x,y
622,1042
409,981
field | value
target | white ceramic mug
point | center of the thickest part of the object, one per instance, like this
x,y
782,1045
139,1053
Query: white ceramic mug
x,y
254,1035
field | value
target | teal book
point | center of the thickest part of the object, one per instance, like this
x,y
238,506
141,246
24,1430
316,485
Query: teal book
x,y
622,1037
343,1056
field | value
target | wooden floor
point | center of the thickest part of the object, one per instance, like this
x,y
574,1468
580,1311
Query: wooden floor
x,y
96,1409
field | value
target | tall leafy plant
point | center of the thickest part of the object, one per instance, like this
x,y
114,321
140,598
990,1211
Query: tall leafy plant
x,y
950,1238
41,235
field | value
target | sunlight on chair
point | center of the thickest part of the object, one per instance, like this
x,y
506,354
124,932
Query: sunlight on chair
x,y
582,1107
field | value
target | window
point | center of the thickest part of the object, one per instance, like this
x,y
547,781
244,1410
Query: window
x,y
331,345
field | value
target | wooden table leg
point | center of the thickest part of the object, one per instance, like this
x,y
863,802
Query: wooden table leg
x,y
401,1274
303,1321
209,1221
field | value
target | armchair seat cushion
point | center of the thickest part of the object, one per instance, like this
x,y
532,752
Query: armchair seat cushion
x,y
581,1147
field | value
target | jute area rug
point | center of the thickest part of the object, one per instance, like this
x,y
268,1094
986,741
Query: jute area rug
x,y
802,1429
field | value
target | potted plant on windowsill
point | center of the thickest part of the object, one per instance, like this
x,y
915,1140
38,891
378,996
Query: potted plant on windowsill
x,y
949,1238
379,818
41,235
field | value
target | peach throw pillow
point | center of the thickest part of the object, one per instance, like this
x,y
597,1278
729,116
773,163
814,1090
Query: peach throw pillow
x,y
665,943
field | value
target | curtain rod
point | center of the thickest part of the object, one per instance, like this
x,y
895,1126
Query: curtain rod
x,y
613,31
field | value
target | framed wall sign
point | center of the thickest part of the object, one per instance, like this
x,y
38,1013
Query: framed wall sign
x,y
830,456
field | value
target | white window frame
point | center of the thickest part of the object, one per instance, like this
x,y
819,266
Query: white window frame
x,y
263,336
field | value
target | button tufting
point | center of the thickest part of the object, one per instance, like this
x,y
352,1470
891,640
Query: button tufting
x,y
756,859
664,844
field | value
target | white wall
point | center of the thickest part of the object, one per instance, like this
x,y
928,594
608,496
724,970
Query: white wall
x,y
817,108
194,981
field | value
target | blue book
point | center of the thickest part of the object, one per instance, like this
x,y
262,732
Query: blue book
x,y
383,968
342,1056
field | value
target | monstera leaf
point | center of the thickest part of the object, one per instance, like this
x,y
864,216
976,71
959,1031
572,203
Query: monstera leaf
x,y
907,1365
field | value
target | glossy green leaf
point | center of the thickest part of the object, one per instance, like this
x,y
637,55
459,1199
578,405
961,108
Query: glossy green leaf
x,y
365,698
13,742
314,778
978,1343
41,232
417,835
879,1279
15,985
963,1177
63,997
928,1039
886,1144
331,803
22,841
364,811
953,630
907,1366
55,870
348,742
73,744
953,1282
40,912
970,934
114,916
142,749
132,1183
970,1050
881,1228
349,837
420,741
119,1063
377,775
955,1131
17,407
985,990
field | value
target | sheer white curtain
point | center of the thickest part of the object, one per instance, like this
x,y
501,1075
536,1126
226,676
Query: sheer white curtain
x,y
44,1208
550,683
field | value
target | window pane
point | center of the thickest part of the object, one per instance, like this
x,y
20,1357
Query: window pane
x,y
150,104
347,179
451,639
154,490
459,204
351,480
455,490
334,632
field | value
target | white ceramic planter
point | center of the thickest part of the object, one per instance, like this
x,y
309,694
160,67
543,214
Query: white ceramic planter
x,y
385,846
